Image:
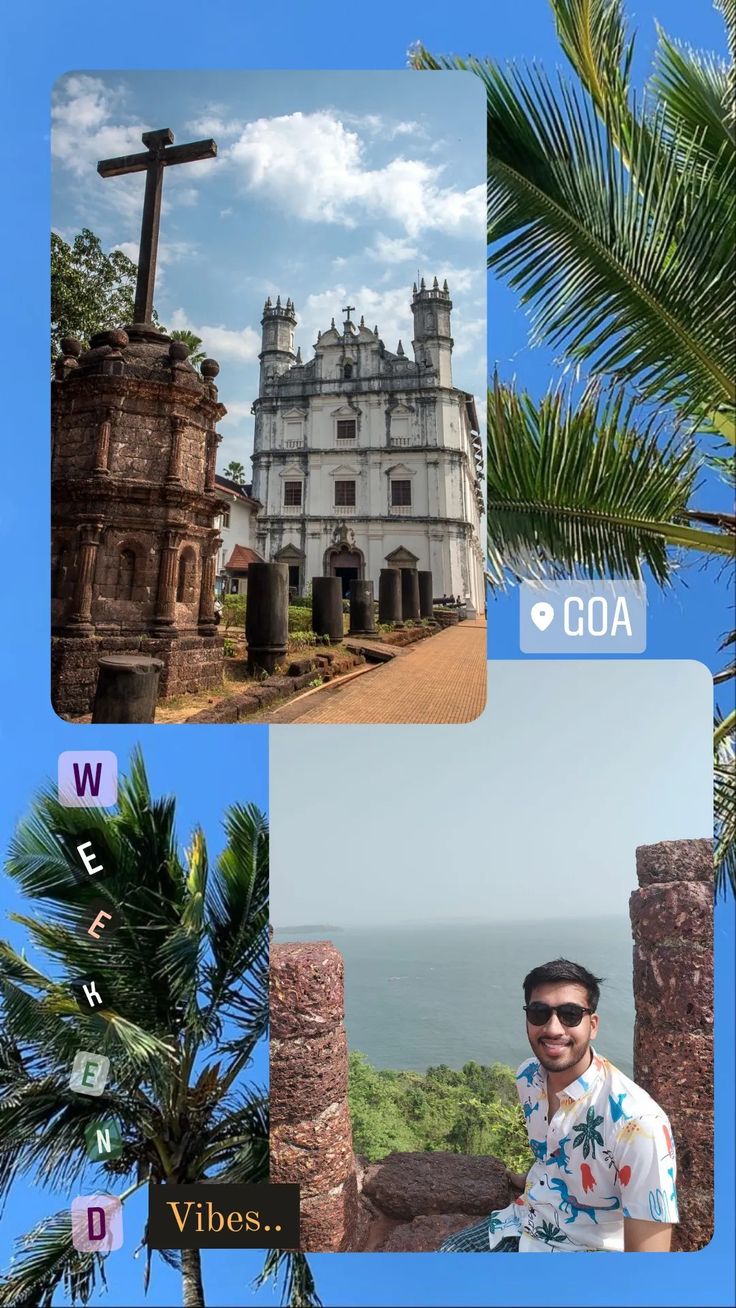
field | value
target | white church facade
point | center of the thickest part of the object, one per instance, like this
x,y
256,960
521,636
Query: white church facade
x,y
366,459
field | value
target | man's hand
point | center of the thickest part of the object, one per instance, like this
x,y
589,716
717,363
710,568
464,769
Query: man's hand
x,y
646,1237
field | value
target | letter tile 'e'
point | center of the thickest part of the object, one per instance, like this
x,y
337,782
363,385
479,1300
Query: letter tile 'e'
x,y
103,1140
88,994
89,1073
88,779
101,920
97,1223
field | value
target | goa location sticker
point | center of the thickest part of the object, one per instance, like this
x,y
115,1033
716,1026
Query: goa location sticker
x,y
583,617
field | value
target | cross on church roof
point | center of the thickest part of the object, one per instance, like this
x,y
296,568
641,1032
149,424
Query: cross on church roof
x,y
161,153
350,308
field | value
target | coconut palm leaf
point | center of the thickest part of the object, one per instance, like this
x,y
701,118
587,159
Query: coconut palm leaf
x,y
625,259
724,764
693,91
174,972
43,1259
293,1271
578,488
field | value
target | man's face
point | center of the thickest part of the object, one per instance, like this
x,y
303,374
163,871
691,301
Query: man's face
x,y
559,1047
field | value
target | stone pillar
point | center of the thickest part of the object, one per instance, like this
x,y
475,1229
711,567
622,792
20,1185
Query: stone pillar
x,y
177,432
207,623
266,615
213,440
127,688
409,594
672,924
90,535
311,1137
426,607
102,448
327,616
389,595
167,578
362,618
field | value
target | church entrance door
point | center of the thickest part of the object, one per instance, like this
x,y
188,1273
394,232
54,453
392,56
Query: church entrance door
x,y
346,564
347,575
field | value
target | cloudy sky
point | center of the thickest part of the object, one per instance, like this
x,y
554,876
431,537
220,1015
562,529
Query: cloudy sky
x,y
329,187
532,811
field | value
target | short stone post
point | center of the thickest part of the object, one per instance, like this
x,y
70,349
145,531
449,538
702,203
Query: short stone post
x,y
389,595
311,1136
266,615
127,688
672,924
327,615
362,617
409,594
426,606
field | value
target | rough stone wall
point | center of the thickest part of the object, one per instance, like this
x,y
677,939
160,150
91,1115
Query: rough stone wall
x,y
406,1202
672,923
311,1137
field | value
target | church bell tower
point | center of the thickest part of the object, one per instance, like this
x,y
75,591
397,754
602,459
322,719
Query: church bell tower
x,y
277,339
431,307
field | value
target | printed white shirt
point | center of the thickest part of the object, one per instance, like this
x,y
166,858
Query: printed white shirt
x,y
607,1154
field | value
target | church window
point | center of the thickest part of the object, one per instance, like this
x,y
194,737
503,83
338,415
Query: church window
x,y
400,493
347,371
346,429
344,494
293,493
126,574
225,518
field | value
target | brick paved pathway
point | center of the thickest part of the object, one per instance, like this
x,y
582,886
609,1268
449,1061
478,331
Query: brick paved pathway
x,y
442,679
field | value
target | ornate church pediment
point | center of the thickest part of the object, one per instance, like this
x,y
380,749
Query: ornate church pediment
x,y
292,471
345,470
401,470
402,558
343,535
346,411
289,554
294,414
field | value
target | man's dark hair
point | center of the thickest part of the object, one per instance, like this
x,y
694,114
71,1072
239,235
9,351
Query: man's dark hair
x,y
561,969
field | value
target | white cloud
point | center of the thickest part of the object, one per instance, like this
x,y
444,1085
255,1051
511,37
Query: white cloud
x,y
312,166
392,249
220,342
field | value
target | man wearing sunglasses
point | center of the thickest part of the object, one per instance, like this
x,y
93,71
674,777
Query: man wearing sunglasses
x,y
603,1176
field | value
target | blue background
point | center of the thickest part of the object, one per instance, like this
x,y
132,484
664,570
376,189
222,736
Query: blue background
x,y
41,41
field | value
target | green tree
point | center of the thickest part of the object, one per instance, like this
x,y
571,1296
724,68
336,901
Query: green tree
x,y
185,981
91,291
235,471
612,216
193,342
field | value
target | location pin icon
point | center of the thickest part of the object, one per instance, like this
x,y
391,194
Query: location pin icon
x,y
542,614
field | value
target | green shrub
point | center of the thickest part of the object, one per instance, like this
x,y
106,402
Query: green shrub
x,y
300,618
472,1111
233,611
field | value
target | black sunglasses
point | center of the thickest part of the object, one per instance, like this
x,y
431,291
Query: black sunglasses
x,y
569,1014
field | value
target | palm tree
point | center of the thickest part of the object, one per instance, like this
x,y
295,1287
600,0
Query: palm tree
x,y
613,219
235,471
193,342
185,982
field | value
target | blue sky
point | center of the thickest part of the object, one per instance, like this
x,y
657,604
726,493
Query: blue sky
x,y
331,188
41,44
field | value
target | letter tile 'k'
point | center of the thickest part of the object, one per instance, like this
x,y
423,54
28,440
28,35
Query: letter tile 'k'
x,y
88,994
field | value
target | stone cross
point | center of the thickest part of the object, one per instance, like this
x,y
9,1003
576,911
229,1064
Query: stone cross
x,y
350,308
160,154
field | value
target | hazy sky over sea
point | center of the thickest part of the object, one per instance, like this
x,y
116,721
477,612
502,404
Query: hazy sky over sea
x,y
534,811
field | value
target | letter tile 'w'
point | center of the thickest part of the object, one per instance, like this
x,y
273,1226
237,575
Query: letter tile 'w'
x,y
88,779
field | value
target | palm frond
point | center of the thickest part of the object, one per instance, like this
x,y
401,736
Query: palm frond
x,y
45,1258
298,1289
692,90
238,917
579,489
724,765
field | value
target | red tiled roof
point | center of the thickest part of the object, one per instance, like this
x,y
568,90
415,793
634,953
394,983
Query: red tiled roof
x,y
241,556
